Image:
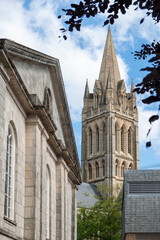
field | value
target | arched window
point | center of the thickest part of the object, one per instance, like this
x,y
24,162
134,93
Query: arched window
x,y
122,170
116,137
103,167
90,171
122,139
48,210
116,169
97,139
103,137
97,170
129,141
90,141
97,100
130,166
48,100
10,174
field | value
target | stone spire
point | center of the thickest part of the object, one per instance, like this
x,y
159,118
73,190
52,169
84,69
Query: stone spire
x,y
132,88
109,81
109,63
86,93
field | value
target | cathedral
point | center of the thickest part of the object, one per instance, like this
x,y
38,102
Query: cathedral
x,y
110,141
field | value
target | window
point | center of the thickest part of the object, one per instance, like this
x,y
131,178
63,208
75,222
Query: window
x,y
130,166
116,137
97,139
122,170
116,169
48,186
90,171
129,141
122,139
103,167
48,100
90,141
10,174
97,170
103,137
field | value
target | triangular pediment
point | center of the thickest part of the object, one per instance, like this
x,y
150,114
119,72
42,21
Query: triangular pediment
x,y
32,75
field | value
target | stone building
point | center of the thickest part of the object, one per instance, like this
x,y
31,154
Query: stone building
x,y
109,125
39,165
141,205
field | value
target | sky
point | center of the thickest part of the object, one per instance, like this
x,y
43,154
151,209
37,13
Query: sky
x,y
34,23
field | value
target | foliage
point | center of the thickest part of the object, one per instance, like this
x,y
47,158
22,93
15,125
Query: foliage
x,y
111,9
102,221
91,8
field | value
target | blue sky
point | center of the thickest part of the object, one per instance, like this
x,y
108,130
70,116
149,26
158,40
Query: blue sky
x,y
34,23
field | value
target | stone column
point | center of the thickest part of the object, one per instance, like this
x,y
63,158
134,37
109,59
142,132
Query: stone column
x,y
59,200
136,145
84,148
110,147
74,212
32,179
2,141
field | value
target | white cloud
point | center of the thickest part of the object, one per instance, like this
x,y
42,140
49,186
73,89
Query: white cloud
x,y
80,56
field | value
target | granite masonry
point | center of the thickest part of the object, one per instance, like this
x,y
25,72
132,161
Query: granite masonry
x,y
110,142
39,165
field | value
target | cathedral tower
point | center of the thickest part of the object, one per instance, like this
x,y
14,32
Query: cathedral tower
x,y
109,125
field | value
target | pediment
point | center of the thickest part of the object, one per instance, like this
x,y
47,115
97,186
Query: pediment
x,y
34,76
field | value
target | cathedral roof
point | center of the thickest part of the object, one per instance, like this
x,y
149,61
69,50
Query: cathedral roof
x,y
86,196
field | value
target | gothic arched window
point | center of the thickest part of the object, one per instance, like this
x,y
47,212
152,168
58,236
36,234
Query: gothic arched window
x,y
130,166
90,141
90,171
97,170
10,174
116,137
48,100
122,170
103,137
103,167
48,196
129,141
97,139
122,139
116,168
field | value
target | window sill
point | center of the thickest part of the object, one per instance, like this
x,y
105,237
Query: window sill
x,y
10,221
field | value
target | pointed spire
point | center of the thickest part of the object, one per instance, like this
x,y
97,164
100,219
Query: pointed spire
x,y
132,88
109,62
86,93
109,81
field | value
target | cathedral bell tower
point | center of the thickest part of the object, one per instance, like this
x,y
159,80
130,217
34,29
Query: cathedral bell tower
x,y
110,142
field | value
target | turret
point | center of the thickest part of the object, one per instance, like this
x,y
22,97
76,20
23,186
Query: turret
x,y
133,96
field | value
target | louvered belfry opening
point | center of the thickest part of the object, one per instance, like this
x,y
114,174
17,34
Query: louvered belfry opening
x,y
144,187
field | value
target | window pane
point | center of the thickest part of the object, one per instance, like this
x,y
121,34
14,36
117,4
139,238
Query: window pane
x,y
9,180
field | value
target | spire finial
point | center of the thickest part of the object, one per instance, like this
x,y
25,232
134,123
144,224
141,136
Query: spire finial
x,y
132,86
86,92
132,89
